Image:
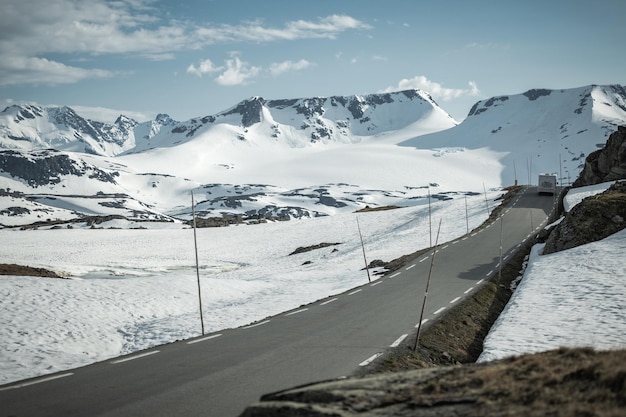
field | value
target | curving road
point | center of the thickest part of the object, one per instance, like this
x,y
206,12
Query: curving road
x,y
221,373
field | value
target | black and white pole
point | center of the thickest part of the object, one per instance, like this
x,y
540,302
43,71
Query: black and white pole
x,y
195,243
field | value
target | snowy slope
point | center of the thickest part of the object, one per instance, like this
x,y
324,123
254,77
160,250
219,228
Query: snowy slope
x,y
571,298
544,130
133,289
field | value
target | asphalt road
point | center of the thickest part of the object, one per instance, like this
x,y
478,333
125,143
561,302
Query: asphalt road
x,y
221,373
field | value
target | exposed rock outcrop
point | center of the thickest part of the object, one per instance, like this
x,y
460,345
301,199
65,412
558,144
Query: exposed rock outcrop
x,y
591,220
606,164
601,215
557,383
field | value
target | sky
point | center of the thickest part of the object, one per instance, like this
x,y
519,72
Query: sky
x,y
194,58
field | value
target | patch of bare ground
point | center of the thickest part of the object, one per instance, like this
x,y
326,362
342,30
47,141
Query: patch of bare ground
x,y
22,270
380,208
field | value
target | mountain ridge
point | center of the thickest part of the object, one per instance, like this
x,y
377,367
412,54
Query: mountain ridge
x,y
292,158
30,126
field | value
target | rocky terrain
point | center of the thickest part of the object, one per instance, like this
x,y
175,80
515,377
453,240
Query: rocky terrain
x,y
565,382
606,164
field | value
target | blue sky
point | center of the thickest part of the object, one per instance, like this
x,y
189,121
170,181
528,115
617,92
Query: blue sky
x,y
199,57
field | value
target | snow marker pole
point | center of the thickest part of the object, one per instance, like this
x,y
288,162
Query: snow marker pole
x,y
363,247
430,272
195,243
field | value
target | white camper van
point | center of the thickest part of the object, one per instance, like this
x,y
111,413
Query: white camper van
x,y
547,184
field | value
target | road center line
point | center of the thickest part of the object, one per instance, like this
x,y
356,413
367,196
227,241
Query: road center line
x,y
37,381
354,292
191,342
409,267
398,341
132,358
370,359
296,312
328,302
256,324
455,300
439,311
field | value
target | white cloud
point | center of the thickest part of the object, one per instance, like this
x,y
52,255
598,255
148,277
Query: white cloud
x,y
205,67
435,89
23,70
33,29
278,68
237,72
327,27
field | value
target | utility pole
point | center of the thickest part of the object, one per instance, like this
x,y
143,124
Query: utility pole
x,y
195,242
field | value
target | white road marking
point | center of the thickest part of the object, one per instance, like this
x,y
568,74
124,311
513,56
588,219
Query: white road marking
x,y
328,302
37,381
479,282
395,275
468,290
256,324
354,292
370,359
296,312
132,358
398,341
423,321
439,311
489,273
455,242
455,300
445,247
464,238
376,283
191,342
424,258
473,234
409,267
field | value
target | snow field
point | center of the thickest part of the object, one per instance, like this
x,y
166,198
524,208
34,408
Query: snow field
x,y
134,289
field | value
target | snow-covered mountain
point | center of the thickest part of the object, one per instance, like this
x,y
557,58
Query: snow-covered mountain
x,y
292,158
28,127
297,121
546,130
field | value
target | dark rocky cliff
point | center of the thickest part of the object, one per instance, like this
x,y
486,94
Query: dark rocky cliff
x,y
606,164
